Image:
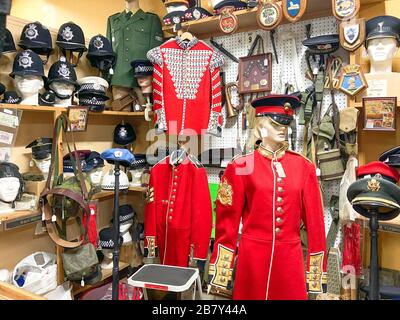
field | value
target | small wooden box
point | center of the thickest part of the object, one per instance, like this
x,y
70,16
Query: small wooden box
x,y
35,187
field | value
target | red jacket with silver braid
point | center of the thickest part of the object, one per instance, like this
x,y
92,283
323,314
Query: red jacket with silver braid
x,y
187,88
178,213
270,261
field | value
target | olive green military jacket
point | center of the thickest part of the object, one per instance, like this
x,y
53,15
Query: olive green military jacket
x,y
131,37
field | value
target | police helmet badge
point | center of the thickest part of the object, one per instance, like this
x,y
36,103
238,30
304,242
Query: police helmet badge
x,y
352,34
352,81
67,34
123,133
176,19
64,71
98,43
31,32
228,22
196,14
25,60
269,14
293,10
345,9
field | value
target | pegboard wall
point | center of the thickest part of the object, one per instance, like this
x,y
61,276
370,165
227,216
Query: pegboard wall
x,y
284,72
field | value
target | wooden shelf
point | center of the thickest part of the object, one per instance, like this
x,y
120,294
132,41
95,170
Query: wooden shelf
x,y
209,27
385,226
77,289
18,218
61,109
108,194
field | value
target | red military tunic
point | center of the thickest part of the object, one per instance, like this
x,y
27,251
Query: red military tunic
x,y
187,88
270,259
178,214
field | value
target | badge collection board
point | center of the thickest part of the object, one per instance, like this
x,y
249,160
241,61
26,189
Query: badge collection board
x,y
239,44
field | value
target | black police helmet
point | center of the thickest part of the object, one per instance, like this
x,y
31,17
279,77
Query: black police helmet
x,y
36,37
62,71
27,63
100,53
70,37
9,45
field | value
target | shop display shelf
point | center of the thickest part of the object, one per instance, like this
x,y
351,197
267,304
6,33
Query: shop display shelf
x,y
62,109
18,218
209,27
108,194
106,274
10,292
384,226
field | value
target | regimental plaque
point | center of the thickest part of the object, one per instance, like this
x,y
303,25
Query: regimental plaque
x,y
352,81
293,10
352,34
269,14
345,9
228,22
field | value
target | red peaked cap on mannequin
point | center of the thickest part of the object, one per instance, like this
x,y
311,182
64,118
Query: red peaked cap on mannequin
x,y
378,167
280,108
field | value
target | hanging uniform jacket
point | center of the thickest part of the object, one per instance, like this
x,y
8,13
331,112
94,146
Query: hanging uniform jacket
x,y
178,213
271,197
132,36
187,88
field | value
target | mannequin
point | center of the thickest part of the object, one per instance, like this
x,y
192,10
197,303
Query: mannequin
x,y
107,262
132,6
9,189
270,190
382,43
63,89
96,176
124,229
28,88
43,165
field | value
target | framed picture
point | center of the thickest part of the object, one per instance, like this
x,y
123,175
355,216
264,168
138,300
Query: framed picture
x,y
78,118
255,73
380,113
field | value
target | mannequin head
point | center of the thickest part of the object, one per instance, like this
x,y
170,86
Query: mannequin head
x,y
108,253
28,87
272,134
146,83
63,91
131,5
381,52
96,175
9,189
43,165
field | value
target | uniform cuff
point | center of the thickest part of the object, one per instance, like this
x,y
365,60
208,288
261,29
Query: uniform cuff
x,y
220,273
316,277
151,251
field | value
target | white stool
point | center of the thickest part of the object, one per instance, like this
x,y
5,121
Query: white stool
x,y
166,278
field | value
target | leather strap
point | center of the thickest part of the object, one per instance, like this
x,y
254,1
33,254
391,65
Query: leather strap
x,y
333,230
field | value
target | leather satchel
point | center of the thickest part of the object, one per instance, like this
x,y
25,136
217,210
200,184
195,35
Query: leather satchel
x,y
66,199
125,103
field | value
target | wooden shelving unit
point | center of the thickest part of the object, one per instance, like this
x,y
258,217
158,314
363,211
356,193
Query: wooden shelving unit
x,y
61,109
106,274
16,218
209,27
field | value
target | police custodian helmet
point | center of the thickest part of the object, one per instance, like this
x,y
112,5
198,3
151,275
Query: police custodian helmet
x,y
37,38
70,37
27,63
100,53
62,71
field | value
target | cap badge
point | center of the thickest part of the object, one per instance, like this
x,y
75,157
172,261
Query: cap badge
x,y
64,71
67,34
374,185
196,14
287,106
176,19
123,133
31,32
118,154
380,24
25,60
98,43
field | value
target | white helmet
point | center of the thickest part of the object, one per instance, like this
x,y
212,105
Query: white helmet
x,y
108,181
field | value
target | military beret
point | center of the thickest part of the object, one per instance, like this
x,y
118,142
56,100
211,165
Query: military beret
x,y
142,68
106,238
391,157
378,168
280,108
325,44
124,156
11,97
41,148
383,27
124,134
375,193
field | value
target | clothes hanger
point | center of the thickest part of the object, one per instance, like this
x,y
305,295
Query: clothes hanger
x,y
185,35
